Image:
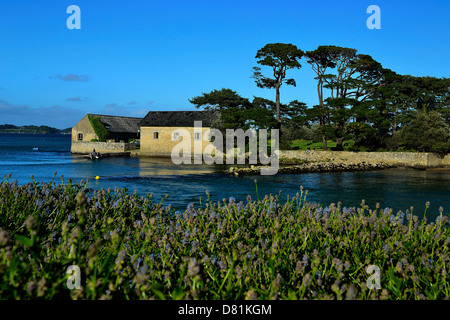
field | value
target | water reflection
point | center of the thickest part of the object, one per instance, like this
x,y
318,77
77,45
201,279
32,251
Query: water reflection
x,y
165,166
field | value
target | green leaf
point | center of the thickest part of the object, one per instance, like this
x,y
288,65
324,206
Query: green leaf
x,y
24,240
159,294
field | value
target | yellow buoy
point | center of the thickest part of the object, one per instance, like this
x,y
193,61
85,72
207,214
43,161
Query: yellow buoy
x,y
97,177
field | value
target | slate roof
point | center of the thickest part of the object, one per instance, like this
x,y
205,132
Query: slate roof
x,y
179,118
119,124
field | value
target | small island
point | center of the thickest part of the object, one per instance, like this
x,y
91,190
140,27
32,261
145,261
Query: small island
x,y
31,129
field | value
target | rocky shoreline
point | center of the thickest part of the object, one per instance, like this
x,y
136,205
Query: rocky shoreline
x,y
312,167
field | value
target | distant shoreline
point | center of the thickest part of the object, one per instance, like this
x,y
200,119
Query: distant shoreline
x,y
31,129
47,133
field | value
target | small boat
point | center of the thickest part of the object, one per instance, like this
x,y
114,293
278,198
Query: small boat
x,y
95,155
35,149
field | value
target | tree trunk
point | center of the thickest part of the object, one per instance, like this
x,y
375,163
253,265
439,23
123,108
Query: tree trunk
x,y
322,123
277,102
394,125
339,141
324,142
277,105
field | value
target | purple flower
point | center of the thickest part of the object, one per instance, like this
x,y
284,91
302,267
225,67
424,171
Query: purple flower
x,y
39,203
222,265
116,204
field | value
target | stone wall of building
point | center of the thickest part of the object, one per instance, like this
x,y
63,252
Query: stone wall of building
x,y
84,127
85,147
163,145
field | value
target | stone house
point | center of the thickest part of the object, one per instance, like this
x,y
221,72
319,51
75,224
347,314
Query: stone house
x,y
159,130
120,130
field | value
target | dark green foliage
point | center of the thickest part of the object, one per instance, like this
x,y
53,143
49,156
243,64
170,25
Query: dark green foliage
x,y
280,57
294,114
230,104
369,102
352,82
238,112
220,99
262,114
393,142
359,100
428,132
4,127
99,128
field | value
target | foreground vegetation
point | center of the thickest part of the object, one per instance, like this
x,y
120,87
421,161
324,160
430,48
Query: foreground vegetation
x,y
129,247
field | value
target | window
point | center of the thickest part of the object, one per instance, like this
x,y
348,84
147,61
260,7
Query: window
x,y
80,137
155,135
175,136
197,136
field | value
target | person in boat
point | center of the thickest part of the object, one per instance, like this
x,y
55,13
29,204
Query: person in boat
x,y
95,154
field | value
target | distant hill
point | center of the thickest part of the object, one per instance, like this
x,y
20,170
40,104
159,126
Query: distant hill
x,y
9,128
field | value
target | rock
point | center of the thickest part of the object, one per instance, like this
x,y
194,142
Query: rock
x,y
313,167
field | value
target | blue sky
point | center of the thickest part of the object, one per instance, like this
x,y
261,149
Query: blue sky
x,y
131,57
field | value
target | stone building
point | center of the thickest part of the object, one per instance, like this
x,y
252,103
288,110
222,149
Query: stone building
x,y
120,130
159,134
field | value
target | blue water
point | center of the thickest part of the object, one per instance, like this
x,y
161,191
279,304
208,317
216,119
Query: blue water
x,y
395,188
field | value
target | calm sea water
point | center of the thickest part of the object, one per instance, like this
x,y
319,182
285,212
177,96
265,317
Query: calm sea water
x,y
395,188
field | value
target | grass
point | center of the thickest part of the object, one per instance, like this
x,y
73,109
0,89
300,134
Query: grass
x,y
129,246
348,145
303,144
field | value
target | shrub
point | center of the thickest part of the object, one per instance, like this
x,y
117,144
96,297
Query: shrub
x,y
286,144
393,142
427,132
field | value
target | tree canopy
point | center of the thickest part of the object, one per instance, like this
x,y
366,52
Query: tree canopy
x,y
280,57
358,99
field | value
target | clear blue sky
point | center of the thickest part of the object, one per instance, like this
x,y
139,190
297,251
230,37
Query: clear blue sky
x,y
131,57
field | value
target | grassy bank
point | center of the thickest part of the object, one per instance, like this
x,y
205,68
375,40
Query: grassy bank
x,y
128,246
